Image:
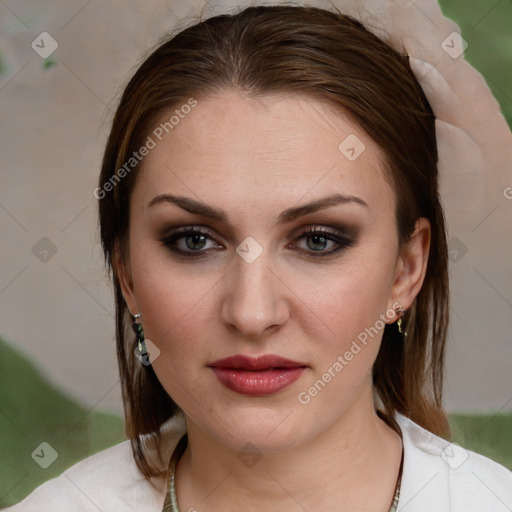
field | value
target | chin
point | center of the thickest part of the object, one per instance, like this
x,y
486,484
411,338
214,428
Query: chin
x,y
266,428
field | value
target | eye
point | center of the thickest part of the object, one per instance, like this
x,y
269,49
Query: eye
x,y
322,242
191,242
194,242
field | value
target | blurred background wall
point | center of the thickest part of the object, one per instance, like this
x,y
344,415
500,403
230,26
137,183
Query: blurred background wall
x,y
56,305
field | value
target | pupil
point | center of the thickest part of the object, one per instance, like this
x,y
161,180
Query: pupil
x,y
319,242
195,239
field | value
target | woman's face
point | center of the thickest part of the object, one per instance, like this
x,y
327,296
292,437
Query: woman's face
x,y
252,178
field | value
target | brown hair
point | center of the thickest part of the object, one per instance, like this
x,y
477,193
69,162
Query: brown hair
x,y
325,56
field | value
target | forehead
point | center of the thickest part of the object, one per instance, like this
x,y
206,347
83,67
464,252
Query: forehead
x,y
276,147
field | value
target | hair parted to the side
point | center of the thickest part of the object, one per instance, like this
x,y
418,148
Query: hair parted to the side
x,y
323,56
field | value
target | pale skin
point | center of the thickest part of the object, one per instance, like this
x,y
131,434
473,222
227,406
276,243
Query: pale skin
x,y
255,158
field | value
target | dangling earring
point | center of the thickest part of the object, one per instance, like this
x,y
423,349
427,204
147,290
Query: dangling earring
x,y
139,332
401,328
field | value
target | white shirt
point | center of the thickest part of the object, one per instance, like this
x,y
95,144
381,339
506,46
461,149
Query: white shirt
x,y
437,477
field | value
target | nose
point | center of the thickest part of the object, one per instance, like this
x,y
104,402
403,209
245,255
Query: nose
x,y
254,302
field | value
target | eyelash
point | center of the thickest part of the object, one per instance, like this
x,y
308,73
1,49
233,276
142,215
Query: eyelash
x,y
342,241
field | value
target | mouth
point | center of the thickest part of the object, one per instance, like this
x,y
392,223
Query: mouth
x,y
257,376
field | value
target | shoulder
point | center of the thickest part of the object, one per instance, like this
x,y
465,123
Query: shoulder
x,y
100,482
442,476
108,481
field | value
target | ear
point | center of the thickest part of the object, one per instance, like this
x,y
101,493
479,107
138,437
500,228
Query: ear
x,y
411,265
121,267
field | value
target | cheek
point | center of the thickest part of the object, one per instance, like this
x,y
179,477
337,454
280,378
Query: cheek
x,y
347,302
177,319
175,309
348,311
167,293
175,302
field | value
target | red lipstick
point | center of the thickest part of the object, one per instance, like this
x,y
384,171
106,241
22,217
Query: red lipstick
x,y
257,376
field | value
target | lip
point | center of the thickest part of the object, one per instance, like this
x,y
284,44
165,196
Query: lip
x,y
257,376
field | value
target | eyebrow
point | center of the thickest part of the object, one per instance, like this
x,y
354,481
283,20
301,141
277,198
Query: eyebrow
x,y
288,215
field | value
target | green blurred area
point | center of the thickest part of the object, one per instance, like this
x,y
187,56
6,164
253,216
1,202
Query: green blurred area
x,y
32,412
486,26
490,435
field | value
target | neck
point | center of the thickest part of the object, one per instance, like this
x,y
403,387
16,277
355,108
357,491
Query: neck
x,y
353,465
